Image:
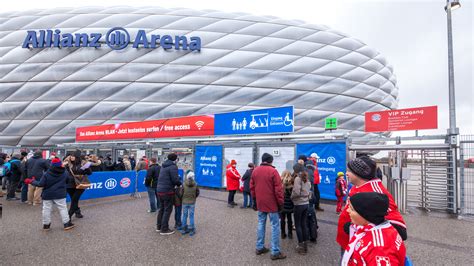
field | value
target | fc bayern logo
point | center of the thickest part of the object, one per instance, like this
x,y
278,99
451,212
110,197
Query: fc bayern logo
x,y
110,183
376,117
125,182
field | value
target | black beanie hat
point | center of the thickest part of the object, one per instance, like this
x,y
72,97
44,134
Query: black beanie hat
x,y
302,157
372,206
172,157
267,158
363,167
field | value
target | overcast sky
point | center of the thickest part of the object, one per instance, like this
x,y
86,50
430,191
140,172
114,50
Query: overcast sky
x,y
410,34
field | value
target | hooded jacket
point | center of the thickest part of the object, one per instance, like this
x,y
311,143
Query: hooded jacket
x,y
36,166
15,170
190,191
168,178
246,178
232,178
53,183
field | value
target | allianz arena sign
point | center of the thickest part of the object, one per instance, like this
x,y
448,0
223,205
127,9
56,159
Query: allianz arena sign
x,y
117,38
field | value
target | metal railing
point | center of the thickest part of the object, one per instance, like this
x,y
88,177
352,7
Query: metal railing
x,y
466,174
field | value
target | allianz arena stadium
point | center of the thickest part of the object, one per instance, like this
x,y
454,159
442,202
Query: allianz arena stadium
x,y
65,68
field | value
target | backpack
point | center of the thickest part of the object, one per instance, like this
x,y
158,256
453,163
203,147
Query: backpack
x,y
3,170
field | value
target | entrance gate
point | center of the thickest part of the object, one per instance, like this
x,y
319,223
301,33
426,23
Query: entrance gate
x,y
466,161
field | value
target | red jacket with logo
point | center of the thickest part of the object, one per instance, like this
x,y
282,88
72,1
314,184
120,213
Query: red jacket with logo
x,y
266,187
232,178
374,185
375,245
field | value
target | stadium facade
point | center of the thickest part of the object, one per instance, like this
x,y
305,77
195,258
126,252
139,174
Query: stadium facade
x,y
65,68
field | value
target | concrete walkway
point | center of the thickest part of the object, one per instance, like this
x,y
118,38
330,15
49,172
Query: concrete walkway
x,y
119,231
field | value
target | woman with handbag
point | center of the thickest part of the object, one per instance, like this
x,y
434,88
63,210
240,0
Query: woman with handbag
x,y
79,170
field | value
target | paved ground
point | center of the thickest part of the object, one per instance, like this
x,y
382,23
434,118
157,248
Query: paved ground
x,y
119,231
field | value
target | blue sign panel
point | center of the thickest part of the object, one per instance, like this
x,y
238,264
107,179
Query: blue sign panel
x,y
264,121
208,166
106,184
332,159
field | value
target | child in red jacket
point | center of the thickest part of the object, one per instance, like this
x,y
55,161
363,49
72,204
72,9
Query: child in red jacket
x,y
376,241
341,191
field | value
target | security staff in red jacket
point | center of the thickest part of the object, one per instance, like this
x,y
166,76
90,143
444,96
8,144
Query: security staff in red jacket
x,y
375,241
233,182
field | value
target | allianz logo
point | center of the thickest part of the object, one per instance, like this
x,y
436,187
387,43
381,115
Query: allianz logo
x,y
117,38
329,160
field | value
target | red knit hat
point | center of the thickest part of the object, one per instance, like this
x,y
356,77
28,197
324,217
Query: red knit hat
x,y
56,162
233,162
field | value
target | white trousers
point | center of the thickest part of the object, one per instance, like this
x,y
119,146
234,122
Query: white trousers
x,y
48,206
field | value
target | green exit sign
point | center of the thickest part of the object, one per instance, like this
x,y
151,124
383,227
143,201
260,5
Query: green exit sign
x,y
331,123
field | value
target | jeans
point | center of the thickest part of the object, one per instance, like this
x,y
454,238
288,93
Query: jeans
x,y
301,223
12,185
166,207
275,224
230,199
75,195
247,199
152,197
24,192
188,209
48,206
283,217
177,216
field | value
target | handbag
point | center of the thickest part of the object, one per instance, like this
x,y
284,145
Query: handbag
x,y
81,181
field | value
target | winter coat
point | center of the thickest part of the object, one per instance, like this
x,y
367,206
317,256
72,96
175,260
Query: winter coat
x,y
301,192
36,166
128,165
190,192
168,178
152,175
341,187
266,188
75,169
288,205
54,183
109,165
141,165
133,163
246,178
96,166
120,166
15,172
232,178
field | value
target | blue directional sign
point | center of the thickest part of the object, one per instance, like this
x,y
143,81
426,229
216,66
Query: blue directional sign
x,y
263,121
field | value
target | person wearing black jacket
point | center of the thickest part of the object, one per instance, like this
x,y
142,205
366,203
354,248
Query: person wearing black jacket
x,y
120,166
109,165
14,177
76,167
151,182
167,182
35,168
246,179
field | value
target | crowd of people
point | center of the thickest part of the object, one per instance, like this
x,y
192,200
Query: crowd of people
x,y
370,230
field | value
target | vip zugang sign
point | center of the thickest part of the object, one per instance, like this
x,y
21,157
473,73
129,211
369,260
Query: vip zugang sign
x,y
402,119
165,128
116,38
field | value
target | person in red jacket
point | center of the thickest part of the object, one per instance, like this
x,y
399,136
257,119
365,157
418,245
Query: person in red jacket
x,y
341,191
233,182
375,241
267,191
361,173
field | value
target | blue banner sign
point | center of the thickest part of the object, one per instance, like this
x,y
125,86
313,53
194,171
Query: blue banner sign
x,y
116,38
106,184
263,121
208,166
332,159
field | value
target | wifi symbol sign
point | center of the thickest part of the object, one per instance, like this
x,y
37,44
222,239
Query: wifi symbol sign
x,y
199,124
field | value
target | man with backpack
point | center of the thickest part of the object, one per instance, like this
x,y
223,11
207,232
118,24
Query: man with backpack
x,y
14,177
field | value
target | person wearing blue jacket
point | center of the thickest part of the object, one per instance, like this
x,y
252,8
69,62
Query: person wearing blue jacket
x,y
54,182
